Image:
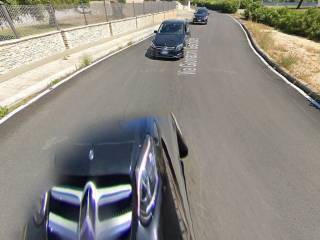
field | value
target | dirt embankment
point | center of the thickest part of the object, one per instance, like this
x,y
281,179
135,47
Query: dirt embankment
x,y
299,56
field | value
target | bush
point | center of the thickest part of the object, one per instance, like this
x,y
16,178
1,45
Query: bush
x,y
225,6
3,111
230,6
311,23
306,24
85,61
245,3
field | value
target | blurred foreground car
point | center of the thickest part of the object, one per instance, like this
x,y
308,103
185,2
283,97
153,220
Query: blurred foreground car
x,y
131,185
170,39
201,16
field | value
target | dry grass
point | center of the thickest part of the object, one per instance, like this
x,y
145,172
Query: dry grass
x,y
288,60
300,56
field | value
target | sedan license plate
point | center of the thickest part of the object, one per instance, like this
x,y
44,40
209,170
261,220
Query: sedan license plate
x,y
164,52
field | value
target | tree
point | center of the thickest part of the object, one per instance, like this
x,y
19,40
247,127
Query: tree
x,y
299,4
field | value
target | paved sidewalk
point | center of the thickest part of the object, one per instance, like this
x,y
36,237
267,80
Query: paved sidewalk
x,y
17,88
38,79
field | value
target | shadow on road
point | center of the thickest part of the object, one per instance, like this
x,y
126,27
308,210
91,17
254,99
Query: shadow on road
x,y
149,55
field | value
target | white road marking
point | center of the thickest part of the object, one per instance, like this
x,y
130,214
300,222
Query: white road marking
x,y
303,93
190,61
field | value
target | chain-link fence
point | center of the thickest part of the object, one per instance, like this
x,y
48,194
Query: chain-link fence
x,y
22,20
291,3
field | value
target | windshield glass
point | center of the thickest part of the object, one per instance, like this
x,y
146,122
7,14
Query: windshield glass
x,y
171,28
201,11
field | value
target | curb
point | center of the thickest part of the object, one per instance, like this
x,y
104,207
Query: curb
x,y
47,88
47,82
315,96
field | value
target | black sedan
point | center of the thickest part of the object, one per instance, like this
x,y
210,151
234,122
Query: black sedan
x,y
170,39
127,184
201,16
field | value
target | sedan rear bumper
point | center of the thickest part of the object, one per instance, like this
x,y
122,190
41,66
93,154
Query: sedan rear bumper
x,y
170,54
197,20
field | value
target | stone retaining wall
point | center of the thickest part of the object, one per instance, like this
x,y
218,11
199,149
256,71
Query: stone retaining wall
x,y
144,21
123,26
16,53
158,17
21,52
82,35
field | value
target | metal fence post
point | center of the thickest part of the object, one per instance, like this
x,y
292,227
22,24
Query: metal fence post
x,y
134,9
84,14
121,9
143,10
8,18
134,14
105,10
52,16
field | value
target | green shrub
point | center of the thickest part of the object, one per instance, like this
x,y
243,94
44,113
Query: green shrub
x,y
85,61
225,6
306,24
245,3
288,61
311,22
230,6
3,111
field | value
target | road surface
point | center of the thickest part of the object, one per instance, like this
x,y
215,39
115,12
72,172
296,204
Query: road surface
x,y
254,166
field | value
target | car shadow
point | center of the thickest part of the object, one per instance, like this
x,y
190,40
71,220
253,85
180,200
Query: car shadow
x,y
197,24
149,55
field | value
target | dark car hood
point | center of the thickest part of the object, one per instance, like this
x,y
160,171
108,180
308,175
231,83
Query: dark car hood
x,y
114,152
169,40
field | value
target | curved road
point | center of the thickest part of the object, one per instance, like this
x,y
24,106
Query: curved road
x,y
254,168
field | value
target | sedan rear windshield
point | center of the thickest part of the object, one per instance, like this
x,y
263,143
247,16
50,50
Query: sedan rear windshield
x,y
171,28
201,11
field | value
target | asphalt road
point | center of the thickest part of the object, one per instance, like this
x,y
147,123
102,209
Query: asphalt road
x,y
254,167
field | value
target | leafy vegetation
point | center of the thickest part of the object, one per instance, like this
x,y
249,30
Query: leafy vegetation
x,y
288,60
3,111
225,6
302,23
85,61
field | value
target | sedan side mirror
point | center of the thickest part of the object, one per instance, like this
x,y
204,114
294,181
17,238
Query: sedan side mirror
x,y
188,31
183,147
155,31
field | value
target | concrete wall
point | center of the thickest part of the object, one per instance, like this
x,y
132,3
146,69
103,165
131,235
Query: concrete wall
x,y
82,35
123,26
170,14
144,21
17,53
158,17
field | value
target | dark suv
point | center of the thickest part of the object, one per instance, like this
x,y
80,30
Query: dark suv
x,y
201,16
170,39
